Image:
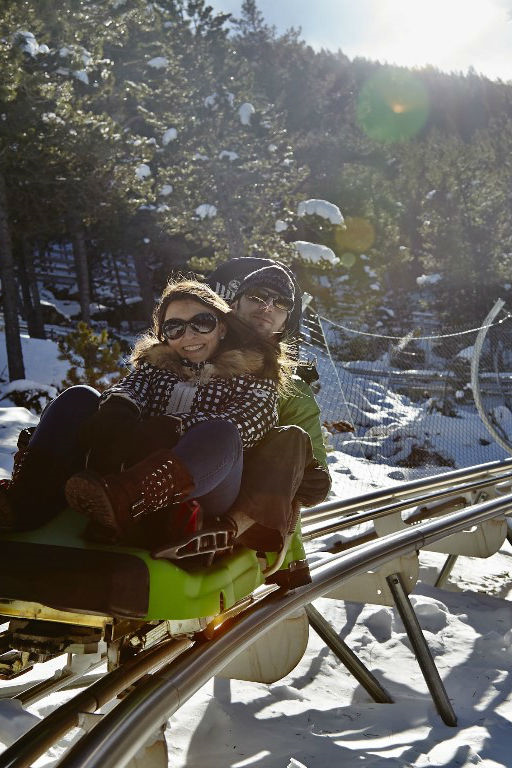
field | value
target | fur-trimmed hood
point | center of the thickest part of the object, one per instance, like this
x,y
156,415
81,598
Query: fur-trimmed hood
x,y
225,365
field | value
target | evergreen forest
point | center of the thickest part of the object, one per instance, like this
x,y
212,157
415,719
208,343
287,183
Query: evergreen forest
x,y
180,138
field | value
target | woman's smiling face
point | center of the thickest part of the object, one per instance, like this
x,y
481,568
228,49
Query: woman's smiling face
x,y
196,347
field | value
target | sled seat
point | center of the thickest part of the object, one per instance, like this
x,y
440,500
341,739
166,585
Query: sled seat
x,y
53,566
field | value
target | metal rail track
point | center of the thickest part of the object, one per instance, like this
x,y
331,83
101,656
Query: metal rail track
x,y
176,669
121,733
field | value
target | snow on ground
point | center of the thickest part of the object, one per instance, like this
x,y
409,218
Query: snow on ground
x,y
319,715
41,361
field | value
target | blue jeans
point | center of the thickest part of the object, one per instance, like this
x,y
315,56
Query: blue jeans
x,y
211,450
59,426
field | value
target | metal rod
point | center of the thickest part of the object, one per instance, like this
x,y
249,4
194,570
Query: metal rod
x,y
410,488
509,531
445,571
421,650
347,657
312,529
475,382
43,735
67,678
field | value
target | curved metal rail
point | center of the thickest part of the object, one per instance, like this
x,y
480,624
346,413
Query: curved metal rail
x,y
43,735
338,521
121,733
404,491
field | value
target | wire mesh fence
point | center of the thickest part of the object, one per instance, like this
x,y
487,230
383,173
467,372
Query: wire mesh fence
x,y
410,398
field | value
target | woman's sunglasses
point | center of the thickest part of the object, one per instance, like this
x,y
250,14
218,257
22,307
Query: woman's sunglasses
x,y
264,297
175,327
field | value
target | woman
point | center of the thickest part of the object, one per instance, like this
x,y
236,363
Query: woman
x,y
203,389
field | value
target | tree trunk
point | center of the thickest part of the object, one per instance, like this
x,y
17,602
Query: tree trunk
x,y
82,272
228,212
144,279
39,331
9,293
121,291
29,291
26,302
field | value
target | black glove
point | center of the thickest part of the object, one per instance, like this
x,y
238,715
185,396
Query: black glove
x,y
152,434
314,486
113,421
107,435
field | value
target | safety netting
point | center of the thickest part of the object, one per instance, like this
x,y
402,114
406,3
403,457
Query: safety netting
x,y
410,401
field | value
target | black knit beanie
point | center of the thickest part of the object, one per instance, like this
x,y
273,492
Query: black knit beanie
x,y
274,278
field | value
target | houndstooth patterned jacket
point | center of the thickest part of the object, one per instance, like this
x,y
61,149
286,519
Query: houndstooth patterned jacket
x,y
226,388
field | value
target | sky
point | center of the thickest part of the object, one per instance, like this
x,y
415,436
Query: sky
x,y
318,715
451,35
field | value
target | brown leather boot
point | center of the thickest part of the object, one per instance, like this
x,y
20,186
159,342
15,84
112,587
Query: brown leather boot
x,y
35,492
116,501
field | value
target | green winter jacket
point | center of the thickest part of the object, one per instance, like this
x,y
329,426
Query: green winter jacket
x,y
300,408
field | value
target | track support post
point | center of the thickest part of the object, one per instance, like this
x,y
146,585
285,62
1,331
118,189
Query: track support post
x,y
341,650
421,650
445,571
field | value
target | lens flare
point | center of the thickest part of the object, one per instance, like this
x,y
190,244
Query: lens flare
x,y
392,106
348,259
358,236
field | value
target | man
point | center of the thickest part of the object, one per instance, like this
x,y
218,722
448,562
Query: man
x,y
265,300
288,469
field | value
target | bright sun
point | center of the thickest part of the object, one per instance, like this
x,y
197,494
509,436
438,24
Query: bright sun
x,y
427,31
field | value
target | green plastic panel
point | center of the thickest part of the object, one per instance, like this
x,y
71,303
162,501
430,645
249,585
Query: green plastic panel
x,y
174,592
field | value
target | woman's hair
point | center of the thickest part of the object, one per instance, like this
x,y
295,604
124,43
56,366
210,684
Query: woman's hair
x,y
277,360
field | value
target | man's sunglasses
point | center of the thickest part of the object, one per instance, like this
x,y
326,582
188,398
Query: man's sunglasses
x,y
260,296
175,327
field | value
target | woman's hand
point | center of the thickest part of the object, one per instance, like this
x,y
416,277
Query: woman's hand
x,y
115,420
152,434
108,435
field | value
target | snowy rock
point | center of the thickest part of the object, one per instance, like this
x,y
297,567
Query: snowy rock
x,y
28,394
314,252
321,208
166,190
379,621
432,614
396,474
280,225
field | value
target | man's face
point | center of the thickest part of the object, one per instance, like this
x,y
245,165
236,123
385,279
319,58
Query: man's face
x,y
262,315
